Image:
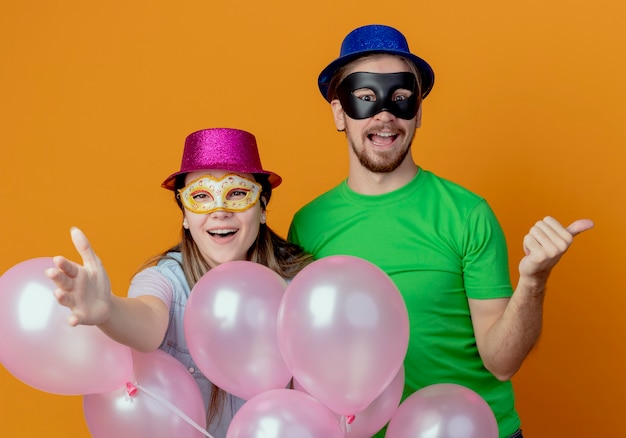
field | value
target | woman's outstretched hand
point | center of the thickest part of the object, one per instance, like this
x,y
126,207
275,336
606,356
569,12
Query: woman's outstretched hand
x,y
85,289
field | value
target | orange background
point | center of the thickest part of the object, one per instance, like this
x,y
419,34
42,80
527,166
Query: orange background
x,y
527,110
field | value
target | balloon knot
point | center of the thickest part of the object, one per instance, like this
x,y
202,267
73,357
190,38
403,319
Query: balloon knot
x,y
131,389
350,419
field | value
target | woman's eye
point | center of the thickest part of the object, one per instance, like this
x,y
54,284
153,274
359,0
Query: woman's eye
x,y
399,98
202,197
237,194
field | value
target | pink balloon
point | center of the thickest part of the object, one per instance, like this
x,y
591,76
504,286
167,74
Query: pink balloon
x,y
230,326
284,413
443,410
343,329
369,421
163,386
38,346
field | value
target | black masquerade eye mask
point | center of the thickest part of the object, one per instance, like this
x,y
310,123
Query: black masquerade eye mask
x,y
384,85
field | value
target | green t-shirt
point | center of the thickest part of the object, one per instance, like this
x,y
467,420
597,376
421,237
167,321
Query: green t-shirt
x,y
440,244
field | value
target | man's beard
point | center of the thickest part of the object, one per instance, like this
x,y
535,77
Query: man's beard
x,y
381,162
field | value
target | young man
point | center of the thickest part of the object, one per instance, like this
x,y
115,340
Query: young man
x,y
441,244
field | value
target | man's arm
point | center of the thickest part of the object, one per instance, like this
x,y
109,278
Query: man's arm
x,y
507,329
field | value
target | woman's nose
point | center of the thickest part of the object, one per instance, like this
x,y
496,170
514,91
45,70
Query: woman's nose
x,y
220,213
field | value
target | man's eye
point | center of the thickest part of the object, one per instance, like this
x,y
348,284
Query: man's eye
x,y
401,95
367,98
365,94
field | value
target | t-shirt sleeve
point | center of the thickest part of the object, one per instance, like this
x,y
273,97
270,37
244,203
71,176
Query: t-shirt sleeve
x,y
151,282
485,256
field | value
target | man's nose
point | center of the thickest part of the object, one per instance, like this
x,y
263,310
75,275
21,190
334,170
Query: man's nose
x,y
384,115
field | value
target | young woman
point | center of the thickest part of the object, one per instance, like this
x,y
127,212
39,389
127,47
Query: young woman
x,y
223,192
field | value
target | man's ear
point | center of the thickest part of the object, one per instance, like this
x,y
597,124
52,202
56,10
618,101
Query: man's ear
x,y
338,115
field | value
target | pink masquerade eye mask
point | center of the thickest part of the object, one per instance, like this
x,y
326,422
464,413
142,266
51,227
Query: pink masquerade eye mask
x,y
231,192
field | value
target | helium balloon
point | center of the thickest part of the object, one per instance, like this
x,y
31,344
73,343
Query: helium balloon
x,y
41,349
284,413
230,326
443,410
151,405
343,329
372,419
